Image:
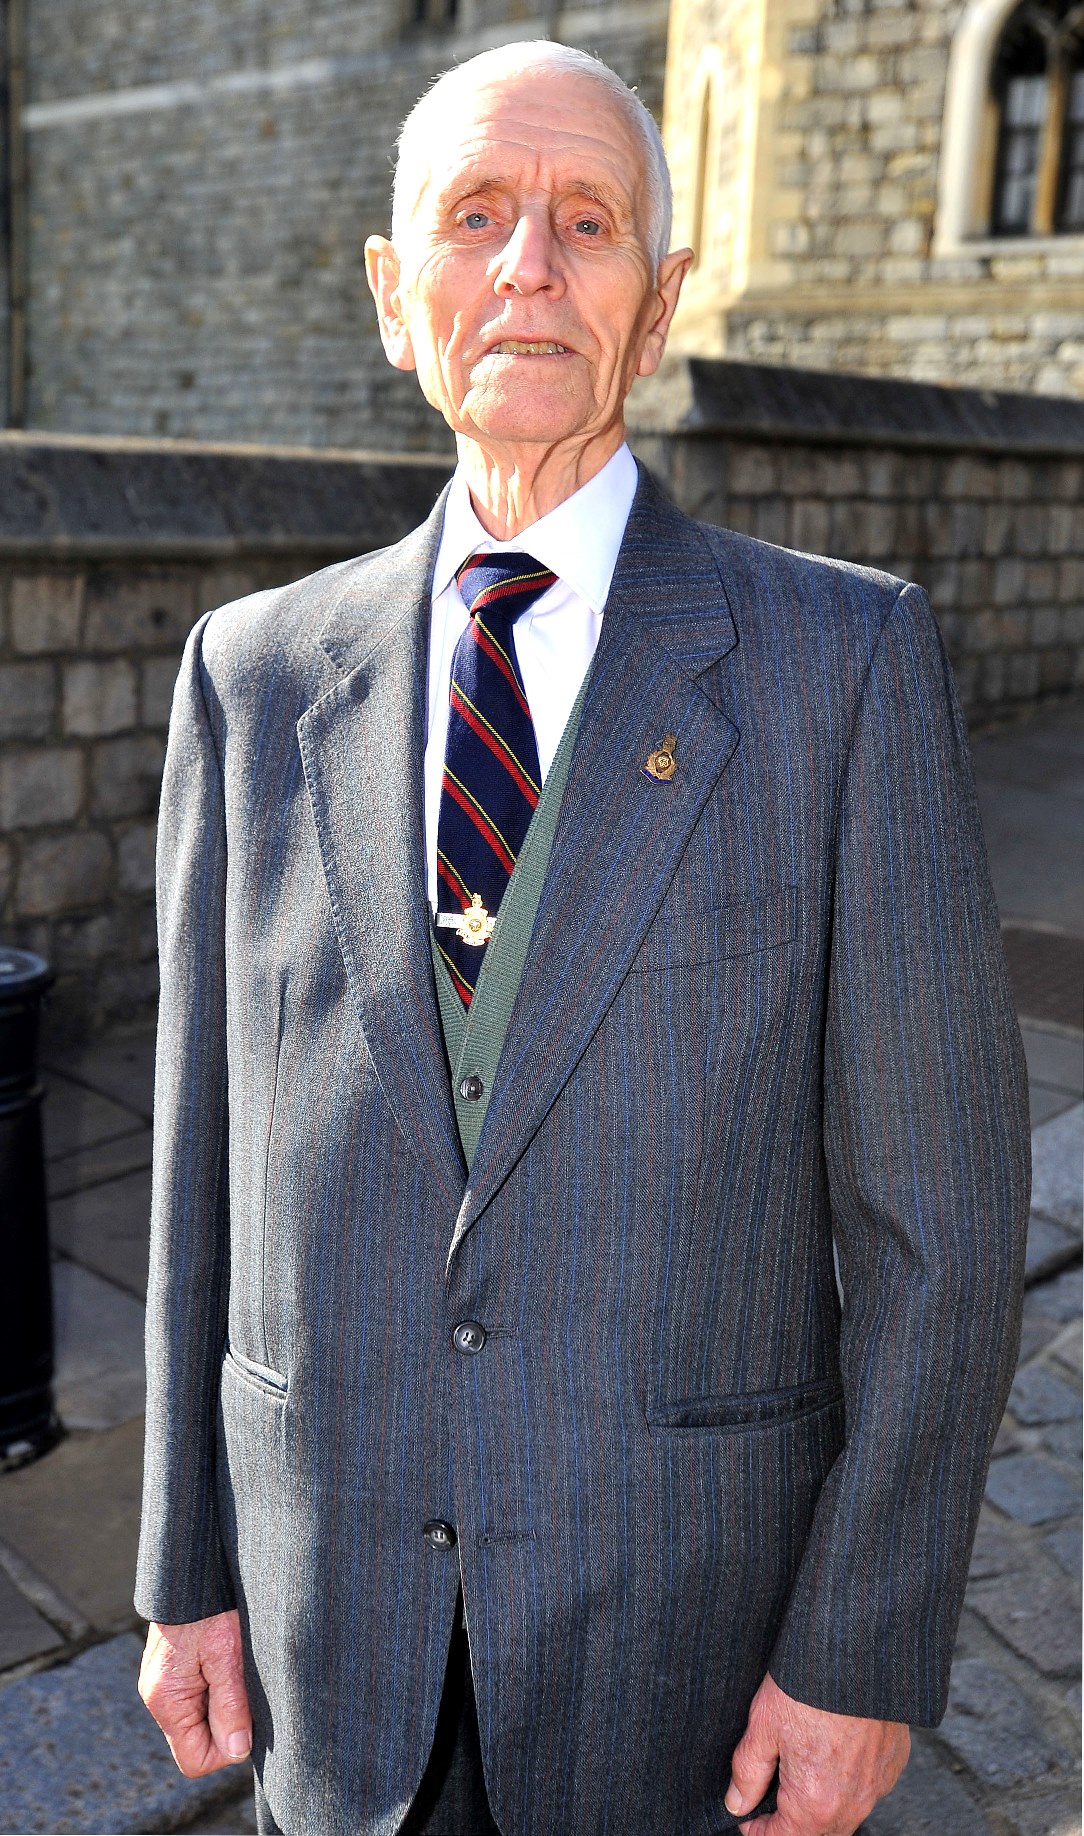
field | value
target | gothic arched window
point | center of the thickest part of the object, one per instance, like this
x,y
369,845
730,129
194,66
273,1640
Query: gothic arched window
x,y
1037,85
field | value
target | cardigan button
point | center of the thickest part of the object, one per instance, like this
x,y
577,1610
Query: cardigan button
x,y
471,1088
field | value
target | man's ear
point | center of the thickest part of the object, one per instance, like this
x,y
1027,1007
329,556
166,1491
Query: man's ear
x,y
672,271
382,273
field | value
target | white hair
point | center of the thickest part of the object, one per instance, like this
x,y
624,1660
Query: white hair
x,y
415,153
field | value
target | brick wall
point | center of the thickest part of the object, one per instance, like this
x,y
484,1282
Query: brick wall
x,y
110,550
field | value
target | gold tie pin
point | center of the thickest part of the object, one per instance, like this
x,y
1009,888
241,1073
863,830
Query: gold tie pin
x,y
474,926
662,763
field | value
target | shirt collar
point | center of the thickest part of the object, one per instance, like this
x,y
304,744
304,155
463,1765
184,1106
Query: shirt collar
x,y
578,541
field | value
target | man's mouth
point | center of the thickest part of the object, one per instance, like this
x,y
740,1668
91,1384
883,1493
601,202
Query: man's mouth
x,y
523,347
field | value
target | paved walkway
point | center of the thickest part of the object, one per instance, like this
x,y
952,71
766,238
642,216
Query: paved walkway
x,y
79,1753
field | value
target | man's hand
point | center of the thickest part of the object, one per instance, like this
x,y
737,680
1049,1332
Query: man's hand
x,y
832,1768
192,1681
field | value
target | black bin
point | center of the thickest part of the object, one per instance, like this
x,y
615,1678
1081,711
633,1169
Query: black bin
x,y
28,1423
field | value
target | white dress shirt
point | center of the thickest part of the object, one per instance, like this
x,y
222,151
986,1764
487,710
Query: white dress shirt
x,y
555,640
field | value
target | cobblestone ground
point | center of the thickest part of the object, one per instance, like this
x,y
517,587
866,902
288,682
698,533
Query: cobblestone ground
x,y
78,1752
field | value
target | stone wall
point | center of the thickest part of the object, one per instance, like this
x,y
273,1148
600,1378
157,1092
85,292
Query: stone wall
x,y
200,192
977,496
109,550
850,235
108,554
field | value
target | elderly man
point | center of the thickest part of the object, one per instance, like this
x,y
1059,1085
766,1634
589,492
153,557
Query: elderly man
x,y
574,923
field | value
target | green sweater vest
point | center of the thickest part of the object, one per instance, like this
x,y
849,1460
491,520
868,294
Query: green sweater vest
x,y
474,1036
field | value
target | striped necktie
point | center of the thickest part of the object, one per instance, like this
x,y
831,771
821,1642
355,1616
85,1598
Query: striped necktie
x,y
492,779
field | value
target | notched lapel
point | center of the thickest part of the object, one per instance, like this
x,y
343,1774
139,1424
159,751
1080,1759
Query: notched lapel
x,y
621,832
362,746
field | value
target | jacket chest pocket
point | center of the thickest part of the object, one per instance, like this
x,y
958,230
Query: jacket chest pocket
x,y
743,929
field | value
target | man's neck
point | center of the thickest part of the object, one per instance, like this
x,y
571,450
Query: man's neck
x,y
511,488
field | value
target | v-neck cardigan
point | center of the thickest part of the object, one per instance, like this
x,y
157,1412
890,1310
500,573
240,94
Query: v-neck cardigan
x,y
474,1037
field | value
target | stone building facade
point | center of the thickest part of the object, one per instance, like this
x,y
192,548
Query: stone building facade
x,y
199,183
894,187
184,195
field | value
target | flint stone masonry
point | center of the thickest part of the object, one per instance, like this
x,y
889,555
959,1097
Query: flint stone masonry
x,y
110,549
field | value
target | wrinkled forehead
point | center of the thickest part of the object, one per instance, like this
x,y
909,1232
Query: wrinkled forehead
x,y
551,129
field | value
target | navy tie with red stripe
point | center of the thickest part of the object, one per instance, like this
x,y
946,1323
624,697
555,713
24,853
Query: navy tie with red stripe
x,y
492,779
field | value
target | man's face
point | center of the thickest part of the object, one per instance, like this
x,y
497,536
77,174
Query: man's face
x,y
523,293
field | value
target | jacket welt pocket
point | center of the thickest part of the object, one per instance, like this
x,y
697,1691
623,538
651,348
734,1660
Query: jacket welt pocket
x,y
743,929
745,1412
257,1376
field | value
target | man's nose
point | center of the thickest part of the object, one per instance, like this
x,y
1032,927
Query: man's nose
x,y
529,261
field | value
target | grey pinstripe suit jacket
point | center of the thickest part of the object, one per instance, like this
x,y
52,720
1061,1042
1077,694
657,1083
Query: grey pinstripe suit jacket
x,y
764,1004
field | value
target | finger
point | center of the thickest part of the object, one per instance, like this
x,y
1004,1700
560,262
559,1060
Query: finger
x,y
181,1713
192,1749
228,1714
752,1767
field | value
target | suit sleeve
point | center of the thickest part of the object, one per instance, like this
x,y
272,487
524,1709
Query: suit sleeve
x,y
182,1574
927,1146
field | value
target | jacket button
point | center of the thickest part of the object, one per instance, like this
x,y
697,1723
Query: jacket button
x,y
438,1534
469,1336
471,1088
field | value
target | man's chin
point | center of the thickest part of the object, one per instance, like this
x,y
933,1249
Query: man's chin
x,y
526,424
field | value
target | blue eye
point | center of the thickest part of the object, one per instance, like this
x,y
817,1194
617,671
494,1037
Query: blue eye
x,y
587,226
476,219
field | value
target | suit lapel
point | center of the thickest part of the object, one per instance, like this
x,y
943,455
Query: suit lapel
x,y
362,745
621,833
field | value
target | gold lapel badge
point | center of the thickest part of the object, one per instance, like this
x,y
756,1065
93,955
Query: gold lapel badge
x,y
662,763
474,926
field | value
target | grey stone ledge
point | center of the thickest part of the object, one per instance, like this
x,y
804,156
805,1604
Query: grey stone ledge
x,y
78,1751
704,397
73,498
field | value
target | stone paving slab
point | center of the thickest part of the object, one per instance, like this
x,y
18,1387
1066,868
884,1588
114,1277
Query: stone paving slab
x,y
1033,1615
1055,1059
100,1380
1035,1812
928,1801
103,1160
1058,1155
1058,1300
75,1117
1028,1488
1066,1545
24,1633
1046,1102
1010,818
237,1818
79,1752
106,1229
1039,1396
74,1517
996,1730
121,1068
1050,1247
